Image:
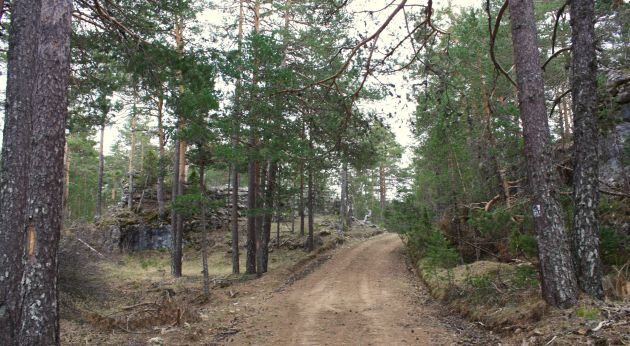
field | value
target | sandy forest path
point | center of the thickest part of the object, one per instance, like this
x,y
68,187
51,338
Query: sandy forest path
x,y
364,295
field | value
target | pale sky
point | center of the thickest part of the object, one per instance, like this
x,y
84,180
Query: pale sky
x,y
402,108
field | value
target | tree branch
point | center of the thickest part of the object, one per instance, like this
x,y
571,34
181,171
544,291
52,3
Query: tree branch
x,y
555,25
493,34
566,49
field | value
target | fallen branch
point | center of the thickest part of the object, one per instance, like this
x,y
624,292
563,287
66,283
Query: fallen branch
x,y
601,325
91,248
492,202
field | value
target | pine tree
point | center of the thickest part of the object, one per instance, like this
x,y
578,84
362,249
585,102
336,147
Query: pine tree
x,y
31,177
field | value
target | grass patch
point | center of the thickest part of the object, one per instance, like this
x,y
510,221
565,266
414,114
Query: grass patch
x,y
497,294
590,313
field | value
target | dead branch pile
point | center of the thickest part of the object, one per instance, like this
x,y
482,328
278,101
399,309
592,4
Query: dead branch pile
x,y
166,311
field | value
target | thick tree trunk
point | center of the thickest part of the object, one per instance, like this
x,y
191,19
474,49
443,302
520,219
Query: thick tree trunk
x,y
180,170
558,277
252,174
32,172
343,211
292,214
176,250
101,171
261,244
270,191
204,230
585,172
382,189
301,201
132,151
349,201
235,145
254,223
234,221
162,155
310,243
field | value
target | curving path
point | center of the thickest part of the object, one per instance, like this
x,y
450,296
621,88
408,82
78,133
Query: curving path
x,y
364,295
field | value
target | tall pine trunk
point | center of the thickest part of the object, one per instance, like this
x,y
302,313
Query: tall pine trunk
x,y
343,212
161,157
132,151
32,172
585,173
235,144
179,168
310,241
301,201
204,230
254,223
252,187
101,171
382,189
234,220
270,191
559,284
176,250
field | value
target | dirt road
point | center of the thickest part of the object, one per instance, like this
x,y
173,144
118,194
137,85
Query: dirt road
x,y
364,295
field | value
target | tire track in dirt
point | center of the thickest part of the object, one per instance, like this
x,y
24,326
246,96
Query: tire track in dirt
x,y
364,295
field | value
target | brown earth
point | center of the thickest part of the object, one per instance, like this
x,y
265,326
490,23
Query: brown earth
x,y
364,295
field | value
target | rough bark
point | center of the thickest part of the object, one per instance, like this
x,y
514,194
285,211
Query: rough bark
x,y
310,244
179,169
101,171
292,215
235,145
382,189
585,172
32,173
253,173
132,150
343,212
204,230
252,186
162,155
261,204
176,254
234,221
270,192
559,284
301,201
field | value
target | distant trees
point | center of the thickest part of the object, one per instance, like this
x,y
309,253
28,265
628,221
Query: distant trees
x,y
31,176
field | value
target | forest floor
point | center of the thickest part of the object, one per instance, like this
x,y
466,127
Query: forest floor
x,y
358,290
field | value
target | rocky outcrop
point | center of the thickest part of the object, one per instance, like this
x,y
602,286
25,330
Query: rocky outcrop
x,y
145,237
140,229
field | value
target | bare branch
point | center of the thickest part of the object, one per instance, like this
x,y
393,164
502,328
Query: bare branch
x,y
557,100
555,26
555,55
493,35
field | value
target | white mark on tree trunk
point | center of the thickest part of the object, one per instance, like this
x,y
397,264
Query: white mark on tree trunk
x,y
537,210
